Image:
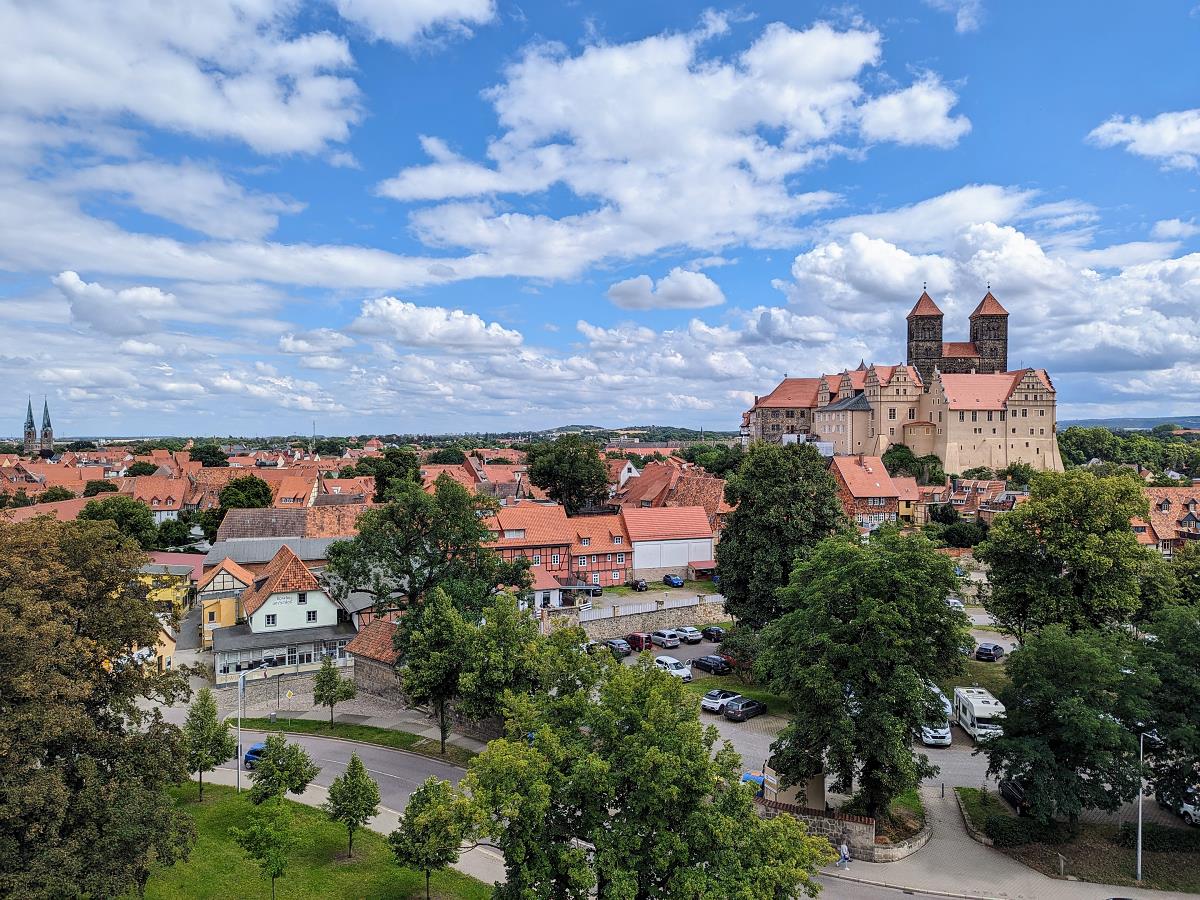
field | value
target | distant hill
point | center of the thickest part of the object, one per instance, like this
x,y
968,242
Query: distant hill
x,y
1134,423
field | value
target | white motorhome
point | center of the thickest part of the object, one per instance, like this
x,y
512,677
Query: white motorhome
x,y
977,712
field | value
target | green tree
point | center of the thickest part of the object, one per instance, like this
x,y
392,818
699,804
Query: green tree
x,y
1019,474
900,460
433,830
785,502
446,456
395,467
99,486
943,514
865,632
1175,658
210,456
173,533
269,839
132,518
570,471
743,644
1070,729
721,460
55,493
330,688
15,500
353,799
283,768
77,446
434,656
207,739
418,541
87,760
1186,564
1067,555
330,446
140,468
245,492
980,473
500,657
964,534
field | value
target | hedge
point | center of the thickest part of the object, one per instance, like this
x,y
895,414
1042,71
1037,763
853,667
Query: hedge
x,y
1160,838
1009,831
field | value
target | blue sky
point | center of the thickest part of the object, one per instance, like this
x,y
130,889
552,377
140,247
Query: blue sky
x,y
244,215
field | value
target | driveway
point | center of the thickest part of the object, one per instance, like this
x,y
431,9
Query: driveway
x,y
189,630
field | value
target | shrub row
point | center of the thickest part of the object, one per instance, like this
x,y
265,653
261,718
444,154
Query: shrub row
x,y
1160,838
1010,831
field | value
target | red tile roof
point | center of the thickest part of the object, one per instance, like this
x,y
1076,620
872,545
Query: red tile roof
x,y
156,491
792,392
293,490
906,488
1165,522
377,641
959,350
600,530
666,523
285,573
989,306
541,524
167,558
925,307
979,391
245,576
865,476
63,510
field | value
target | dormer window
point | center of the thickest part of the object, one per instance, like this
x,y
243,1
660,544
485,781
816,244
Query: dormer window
x,y
617,538
585,542
514,533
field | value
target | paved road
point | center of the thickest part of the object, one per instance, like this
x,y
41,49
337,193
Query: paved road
x,y
189,630
397,773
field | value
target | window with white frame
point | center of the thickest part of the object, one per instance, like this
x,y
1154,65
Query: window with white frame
x,y
536,559
585,542
595,578
554,558
270,620
302,598
582,561
616,576
310,616
617,538
620,559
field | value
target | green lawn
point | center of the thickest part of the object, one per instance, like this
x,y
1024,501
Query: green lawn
x,y
368,734
990,675
982,805
318,866
909,804
775,704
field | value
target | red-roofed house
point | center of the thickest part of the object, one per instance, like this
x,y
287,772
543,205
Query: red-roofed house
x,y
601,553
218,592
866,490
538,532
908,497
1174,518
163,495
668,540
375,656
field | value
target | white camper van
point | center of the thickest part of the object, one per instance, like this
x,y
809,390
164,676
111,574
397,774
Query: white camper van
x,y
977,712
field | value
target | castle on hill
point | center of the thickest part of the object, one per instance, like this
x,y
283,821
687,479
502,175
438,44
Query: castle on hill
x,y
956,400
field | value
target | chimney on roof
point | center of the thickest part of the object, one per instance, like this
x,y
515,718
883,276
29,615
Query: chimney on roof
x,y
860,459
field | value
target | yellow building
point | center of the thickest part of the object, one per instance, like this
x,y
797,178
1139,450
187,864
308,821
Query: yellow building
x,y
169,587
164,650
219,593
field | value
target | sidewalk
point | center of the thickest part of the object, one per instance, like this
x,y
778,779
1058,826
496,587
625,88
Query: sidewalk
x,y
951,863
483,863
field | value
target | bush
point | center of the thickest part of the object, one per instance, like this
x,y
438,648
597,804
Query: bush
x,y
1160,838
1009,831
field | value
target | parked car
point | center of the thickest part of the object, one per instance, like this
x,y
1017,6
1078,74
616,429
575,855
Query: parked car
x,y
955,603
743,708
713,633
595,591
618,647
936,735
672,581
253,754
638,584
672,666
712,664
1188,809
665,638
593,647
639,640
1014,793
715,700
689,635
989,652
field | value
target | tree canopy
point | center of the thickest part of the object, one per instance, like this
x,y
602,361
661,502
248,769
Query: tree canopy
x,y
397,466
210,456
435,656
1067,555
353,799
131,517
55,493
207,738
140,468
282,769
433,828
99,486
721,460
1174,656
865,632
87,763
785,502
899,460
570,471
330,688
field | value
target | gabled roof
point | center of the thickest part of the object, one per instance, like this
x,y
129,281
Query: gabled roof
x,y
169,557
1165,522
979,391
543,524
63,510
600,530
906,488
377,641
959,350
245,576
989,306
792,392
284,574
865,476
854,403
925,307
666,523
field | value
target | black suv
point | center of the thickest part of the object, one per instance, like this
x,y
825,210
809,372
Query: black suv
x,y
989,652
638,584
713,633
714,664
1015,794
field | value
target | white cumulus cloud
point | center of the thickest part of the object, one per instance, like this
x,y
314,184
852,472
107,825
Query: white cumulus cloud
x,y
678,289
1173,138
402,322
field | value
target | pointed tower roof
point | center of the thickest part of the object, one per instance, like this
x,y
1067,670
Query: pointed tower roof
x,y
989,306
29,414
862,366
46,414
925,307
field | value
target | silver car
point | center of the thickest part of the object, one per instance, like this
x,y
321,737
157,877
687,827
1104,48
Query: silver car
x,y
665,638
936,735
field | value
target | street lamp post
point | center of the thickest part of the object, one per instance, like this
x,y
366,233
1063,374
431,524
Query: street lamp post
x,y
1141,791
241,704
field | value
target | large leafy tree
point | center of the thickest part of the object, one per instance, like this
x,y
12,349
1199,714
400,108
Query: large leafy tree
x,y
1067,555
1175,658
282,769
172,533
330,688
418,541
243,492
207,739
1072,714
84,808
898,459
353,799
55,493
210,456
396,466
140,468
1186,564
434,656
433,830
570,470
500,657
131,517
785,502
99,486
721,460
864,634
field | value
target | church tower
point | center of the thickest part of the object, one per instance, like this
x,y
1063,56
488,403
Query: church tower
x,y
31,436
925,336
47,441
989,334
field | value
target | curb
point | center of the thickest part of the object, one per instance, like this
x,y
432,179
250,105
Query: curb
x,y
909,889
326,737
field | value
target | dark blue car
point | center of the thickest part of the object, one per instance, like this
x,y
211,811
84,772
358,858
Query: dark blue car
x,y
673,581
253,754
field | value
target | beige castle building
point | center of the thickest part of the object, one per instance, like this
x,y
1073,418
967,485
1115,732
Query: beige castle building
x,y
955,400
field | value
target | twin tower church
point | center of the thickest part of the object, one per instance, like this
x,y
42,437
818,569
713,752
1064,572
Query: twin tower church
x,y
33,443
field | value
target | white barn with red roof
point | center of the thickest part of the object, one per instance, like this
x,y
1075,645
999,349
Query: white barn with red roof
x,y
669,540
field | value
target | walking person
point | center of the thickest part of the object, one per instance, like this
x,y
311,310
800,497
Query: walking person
x,y
843,856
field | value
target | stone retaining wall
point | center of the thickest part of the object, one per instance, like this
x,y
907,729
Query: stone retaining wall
x,y
378,679
618,626
272,690
858,832
975,833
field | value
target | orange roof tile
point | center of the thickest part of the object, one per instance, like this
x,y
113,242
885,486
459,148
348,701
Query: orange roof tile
x,y
600,531
959,350
867,478
1165,522
792,392
979,391
285,573
245,576
666,523
63,510
539,525
906,488
377,641
925,307
156,491
989,306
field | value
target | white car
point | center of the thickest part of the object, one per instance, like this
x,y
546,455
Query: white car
x,y
1188,809
936,735
956,604
672,666
715,700
689,635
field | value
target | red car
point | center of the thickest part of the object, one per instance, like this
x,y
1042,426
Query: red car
x,y
640,640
